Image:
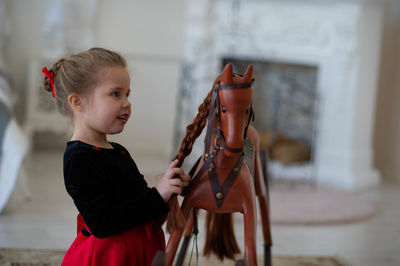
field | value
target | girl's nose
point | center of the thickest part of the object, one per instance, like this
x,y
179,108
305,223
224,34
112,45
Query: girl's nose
x,y
127,103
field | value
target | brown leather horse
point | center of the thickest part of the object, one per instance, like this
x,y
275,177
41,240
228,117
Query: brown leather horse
x,y
222,181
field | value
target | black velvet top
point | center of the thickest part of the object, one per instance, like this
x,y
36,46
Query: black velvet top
x,y
108,189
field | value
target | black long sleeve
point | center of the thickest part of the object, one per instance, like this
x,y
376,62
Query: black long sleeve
x,y
108,189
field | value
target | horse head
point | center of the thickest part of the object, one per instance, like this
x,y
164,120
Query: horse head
x,y
235,107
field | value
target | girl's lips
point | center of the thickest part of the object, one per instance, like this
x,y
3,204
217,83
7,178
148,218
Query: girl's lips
x,y
123,118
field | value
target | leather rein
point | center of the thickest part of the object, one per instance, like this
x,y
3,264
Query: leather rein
x,y
219,190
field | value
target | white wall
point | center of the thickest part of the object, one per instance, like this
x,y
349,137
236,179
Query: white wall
x,y
148,33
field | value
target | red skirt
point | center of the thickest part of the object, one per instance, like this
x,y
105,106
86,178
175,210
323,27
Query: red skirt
x,y
134,247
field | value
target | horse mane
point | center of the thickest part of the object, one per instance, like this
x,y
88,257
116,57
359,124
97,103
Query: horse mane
x,y
194,130
175,216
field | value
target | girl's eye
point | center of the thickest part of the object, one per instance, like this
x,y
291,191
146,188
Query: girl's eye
x,y
115,94
127,95
223,108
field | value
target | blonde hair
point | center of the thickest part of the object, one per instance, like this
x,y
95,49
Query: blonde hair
x,y
78,73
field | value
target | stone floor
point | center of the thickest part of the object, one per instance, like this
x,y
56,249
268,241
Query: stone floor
x,y
47,220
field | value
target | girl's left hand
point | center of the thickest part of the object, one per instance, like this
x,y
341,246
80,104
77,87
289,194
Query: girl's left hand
x,y
173,181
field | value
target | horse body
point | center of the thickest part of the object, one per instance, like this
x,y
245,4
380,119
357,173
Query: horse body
x,y
223,181
200,194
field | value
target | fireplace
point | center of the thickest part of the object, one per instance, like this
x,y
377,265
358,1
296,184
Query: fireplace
x,y
331,47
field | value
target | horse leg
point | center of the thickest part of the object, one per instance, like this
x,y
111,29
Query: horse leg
x,y
263,204
261,188
176,234
240,262
264,209
249,218
187,235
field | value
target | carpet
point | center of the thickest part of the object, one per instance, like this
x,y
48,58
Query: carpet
x,y
276,261
305,204
43,257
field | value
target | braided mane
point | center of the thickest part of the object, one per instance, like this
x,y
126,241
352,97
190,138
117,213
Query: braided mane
x,y
175,217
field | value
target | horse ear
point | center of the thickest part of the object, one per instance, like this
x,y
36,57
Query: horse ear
x,y
227,74
248,75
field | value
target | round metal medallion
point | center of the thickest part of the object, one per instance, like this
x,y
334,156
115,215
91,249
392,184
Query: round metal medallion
x,y
219,195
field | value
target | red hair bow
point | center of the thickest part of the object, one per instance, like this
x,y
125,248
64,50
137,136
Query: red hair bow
x,y
50,76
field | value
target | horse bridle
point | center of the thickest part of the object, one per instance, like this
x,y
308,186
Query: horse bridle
x,y
220,191
214,111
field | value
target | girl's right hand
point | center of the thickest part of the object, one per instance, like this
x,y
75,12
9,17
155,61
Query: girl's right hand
x,y
168,185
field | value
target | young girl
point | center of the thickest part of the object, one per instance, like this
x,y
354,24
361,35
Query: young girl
x,y
120,217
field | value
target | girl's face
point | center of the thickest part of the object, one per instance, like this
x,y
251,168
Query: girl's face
x,y
108,109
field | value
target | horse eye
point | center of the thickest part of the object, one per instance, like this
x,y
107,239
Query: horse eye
x,y
223,109
247,110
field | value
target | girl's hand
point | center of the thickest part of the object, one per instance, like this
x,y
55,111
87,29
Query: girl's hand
x,y
169,185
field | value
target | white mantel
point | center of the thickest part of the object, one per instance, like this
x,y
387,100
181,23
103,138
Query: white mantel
x,y
341,38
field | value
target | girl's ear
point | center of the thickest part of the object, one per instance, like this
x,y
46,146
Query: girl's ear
x,y
75,101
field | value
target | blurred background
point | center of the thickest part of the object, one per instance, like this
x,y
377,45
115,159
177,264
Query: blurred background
x,y
327,84
183,41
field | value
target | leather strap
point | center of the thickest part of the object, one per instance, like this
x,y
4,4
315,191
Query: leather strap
x,y
220,191
207,162
235,86
193,180
211,114
209,156
233,150
251,116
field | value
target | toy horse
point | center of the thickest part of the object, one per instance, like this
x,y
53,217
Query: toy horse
x,y
222,181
